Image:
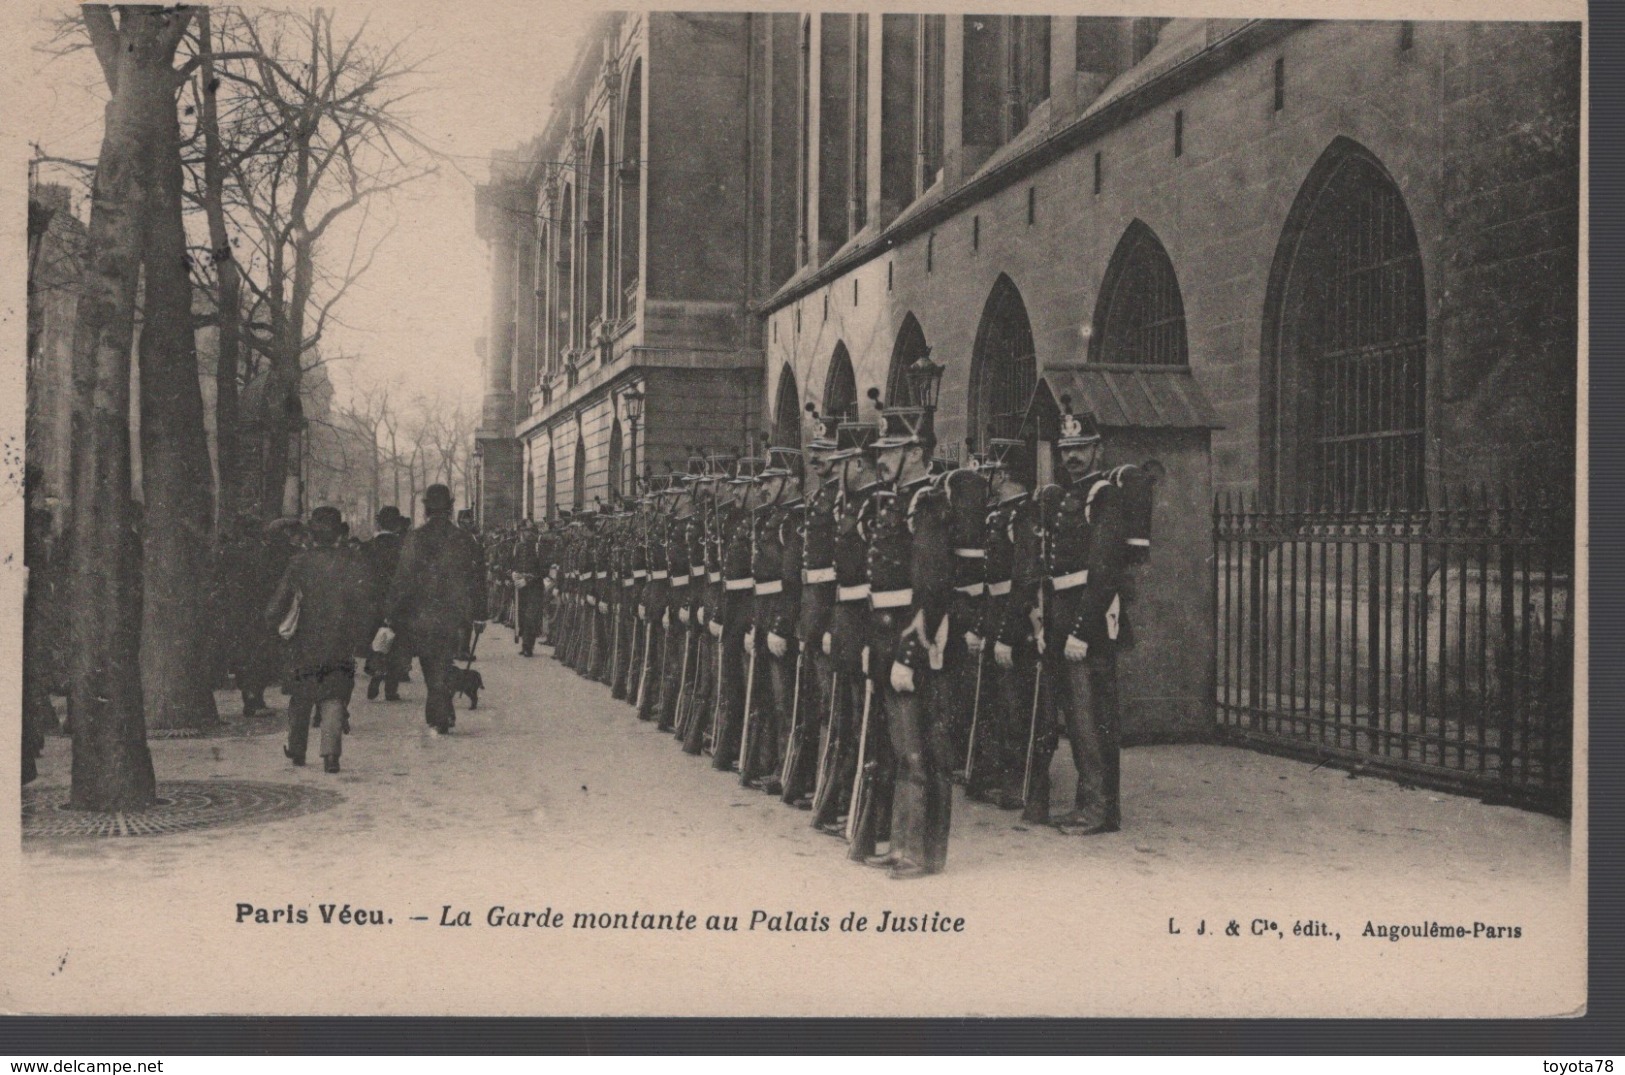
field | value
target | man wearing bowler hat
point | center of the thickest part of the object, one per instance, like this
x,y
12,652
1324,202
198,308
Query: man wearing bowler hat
x,y
438,592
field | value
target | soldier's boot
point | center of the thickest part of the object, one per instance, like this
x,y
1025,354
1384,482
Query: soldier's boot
x,y
1035,810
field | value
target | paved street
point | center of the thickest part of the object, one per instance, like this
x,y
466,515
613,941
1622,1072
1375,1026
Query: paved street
x,y
552,795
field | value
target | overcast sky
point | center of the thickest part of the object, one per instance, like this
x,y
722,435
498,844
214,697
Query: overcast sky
x,y
493,67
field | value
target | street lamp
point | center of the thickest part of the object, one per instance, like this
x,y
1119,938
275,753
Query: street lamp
x,y
632,400
925,381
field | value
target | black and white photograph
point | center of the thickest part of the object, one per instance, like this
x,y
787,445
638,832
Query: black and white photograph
x,y
552,509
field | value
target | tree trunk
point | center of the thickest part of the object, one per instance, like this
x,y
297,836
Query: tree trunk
x,y
176,654
112,768
228,299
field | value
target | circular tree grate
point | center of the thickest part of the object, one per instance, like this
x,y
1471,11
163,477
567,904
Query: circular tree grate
x,y
183,805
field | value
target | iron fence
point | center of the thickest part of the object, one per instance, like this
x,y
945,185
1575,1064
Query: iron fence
x,y
1434,643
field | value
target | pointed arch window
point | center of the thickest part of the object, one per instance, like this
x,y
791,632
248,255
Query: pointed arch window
x,y
578,494
1004,366
592,227
1140,317
841,385
787,411
1345,341
630,174
617,479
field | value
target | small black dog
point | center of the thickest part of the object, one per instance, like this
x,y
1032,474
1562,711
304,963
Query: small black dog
x,y
466,681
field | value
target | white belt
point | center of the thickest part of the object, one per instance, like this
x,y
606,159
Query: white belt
x,y
658,576
891,598
713,576
679,581
998,589
640,574
769,588
1144,543
695,572
1067,582
852,593
627,582
738,584
813,575
971,554
974,589
602,575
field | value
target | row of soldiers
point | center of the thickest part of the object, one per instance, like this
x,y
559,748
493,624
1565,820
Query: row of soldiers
x,y
855,630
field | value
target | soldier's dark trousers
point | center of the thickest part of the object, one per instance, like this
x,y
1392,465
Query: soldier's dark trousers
x,y
876,764
731,689
529,601
1007,712
808,723
1086,698
623,630
923,743
702,692
671,681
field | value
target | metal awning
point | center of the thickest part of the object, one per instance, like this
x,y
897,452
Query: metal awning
x,y
1121,397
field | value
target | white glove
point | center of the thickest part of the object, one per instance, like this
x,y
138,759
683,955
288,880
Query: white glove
x,y
750,640
682,614
1076,648
776,645
715,628
865,660
665,619
1004,656
827,643
643,613
973,642
384,639
603,608
902,678
699,614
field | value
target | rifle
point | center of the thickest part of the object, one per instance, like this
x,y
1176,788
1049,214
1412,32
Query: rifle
x,y
1038,665
976,709
615,643
829,745
714,733
792,752
744,735
863,783
592,637
643,675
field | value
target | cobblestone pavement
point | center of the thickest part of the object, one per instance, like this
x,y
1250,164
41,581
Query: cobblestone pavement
x,y
553,797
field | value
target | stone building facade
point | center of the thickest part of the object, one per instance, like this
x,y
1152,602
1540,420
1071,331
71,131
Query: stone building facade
x,y
628,244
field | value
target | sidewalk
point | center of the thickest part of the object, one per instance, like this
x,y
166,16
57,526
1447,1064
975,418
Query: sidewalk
x,y
551,794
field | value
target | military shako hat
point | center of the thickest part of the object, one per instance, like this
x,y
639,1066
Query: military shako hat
x,y
1077,430
1005,453
748,470
854,438
902,426
781,462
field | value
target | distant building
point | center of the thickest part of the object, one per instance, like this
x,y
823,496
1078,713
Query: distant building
x,y
628,244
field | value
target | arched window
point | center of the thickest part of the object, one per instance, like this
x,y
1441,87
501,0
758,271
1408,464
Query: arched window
x,y
630,175
1004,368
552,485
840,385
578,494
1343,416
1140,318
565,303
617,480
908,349
592,229
787,411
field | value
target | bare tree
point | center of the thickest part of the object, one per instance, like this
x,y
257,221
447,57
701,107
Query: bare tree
x,y
317,133
112,767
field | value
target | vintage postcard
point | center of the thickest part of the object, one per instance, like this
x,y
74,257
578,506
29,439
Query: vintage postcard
x,y
1033,510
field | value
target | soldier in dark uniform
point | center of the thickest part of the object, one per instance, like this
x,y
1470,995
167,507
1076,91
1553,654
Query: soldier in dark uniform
x,y
525,567
675,617
656,594
1014,575
910,583
690,621
810,554
737,587
965,490
382,554
1095,529
710,515
845,634
774,610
